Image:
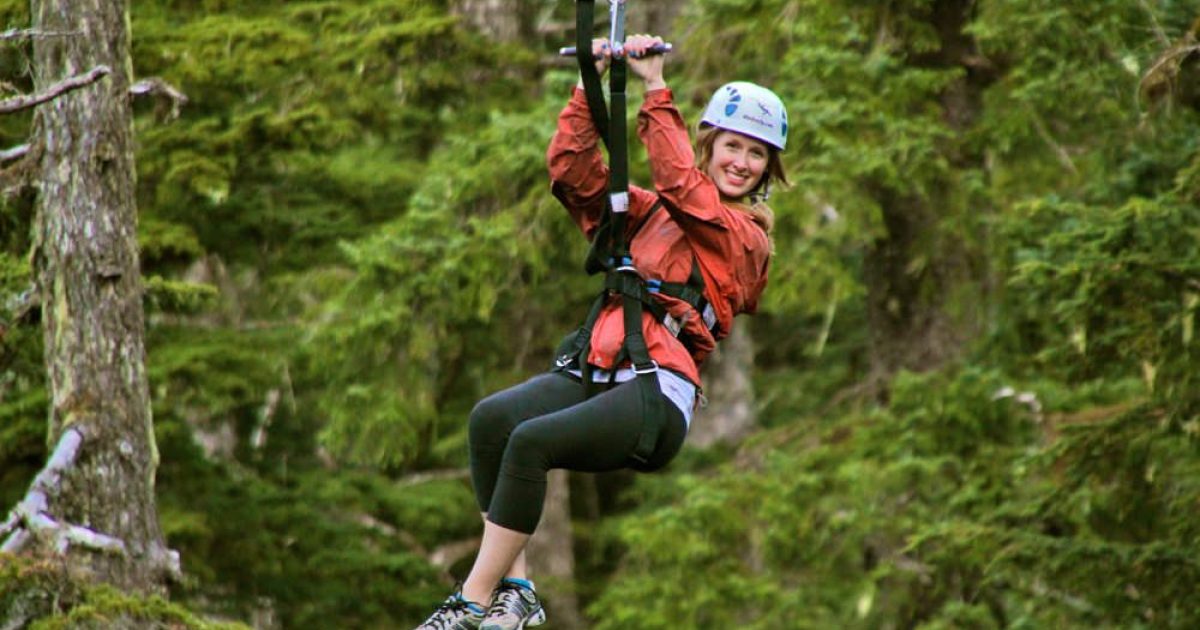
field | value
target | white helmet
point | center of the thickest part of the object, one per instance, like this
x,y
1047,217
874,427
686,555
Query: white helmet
x,y
748,109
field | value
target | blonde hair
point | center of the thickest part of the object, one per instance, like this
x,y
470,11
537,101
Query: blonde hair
x,y
758,209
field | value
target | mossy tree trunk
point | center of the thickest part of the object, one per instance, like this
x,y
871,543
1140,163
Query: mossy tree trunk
x,y
86,265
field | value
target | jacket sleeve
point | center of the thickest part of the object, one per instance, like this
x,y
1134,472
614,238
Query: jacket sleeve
x,y
733,251
673,161
578,173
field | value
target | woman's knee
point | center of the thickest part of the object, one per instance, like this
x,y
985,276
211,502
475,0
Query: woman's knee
x,y
490,421
529,448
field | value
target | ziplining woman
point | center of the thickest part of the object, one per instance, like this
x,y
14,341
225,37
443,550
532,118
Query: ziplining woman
x,y
697,254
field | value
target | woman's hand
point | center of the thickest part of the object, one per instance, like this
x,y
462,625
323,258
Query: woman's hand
x,y
649,68
602,52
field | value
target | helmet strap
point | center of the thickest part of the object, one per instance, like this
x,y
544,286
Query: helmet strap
x,y
763,192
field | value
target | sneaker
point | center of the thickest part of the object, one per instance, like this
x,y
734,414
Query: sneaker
x,y
455,613
514,607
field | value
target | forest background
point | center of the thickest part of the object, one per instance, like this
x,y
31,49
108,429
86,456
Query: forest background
x,y
970,399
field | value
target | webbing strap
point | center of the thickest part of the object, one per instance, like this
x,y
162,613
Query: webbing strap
x,y
612,128
587,68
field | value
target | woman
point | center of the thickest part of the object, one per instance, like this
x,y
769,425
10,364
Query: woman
x,y
714,232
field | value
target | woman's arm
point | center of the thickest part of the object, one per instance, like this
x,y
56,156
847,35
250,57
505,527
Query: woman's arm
x,y
578,174
663,131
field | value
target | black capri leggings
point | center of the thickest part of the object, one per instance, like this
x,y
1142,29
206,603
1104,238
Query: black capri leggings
x,y
518,434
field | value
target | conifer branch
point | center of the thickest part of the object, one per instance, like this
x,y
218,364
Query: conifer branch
x,y
1159,33
18,103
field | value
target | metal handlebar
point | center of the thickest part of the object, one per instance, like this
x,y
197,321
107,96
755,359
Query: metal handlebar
x,y
662,49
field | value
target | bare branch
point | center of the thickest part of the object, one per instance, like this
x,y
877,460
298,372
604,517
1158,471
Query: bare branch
x,y
18,103
29,510
17,152
30,33
17,308
163,91
9,525
1064,157
446,555
19,173
433,475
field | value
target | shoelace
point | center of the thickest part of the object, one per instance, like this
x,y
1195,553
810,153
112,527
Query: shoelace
x,y
506,596
451,605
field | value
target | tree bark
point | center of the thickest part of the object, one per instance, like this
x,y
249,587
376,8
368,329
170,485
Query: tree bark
x,y
551,555
87,270
730,414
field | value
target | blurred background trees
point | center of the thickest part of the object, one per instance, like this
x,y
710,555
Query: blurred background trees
x,y
971,389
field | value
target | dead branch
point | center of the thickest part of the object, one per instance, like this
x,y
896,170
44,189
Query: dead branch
x,y
17,152
448,554
31,33
30,518
18,168
18,103
433,475
17,308
29,512
166,94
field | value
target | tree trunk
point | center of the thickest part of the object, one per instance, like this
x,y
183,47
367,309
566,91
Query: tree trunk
x,y
86,264
730,414
551,556
502,20
913,272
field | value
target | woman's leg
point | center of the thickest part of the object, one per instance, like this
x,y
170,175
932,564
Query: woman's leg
x,y
596,435
497,553
519,568
494,419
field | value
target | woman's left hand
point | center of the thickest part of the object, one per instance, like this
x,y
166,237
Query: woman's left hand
x,y
648,67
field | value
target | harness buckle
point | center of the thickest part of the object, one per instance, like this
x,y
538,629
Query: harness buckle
x,y
646,369
564,360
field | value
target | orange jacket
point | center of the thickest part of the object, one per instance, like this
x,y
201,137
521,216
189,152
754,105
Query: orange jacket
x,y
733,252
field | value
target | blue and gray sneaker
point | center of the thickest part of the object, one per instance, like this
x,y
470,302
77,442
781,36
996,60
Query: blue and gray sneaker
x,y
455,613
515,606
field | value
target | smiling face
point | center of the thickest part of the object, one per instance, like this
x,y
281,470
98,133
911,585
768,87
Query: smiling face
x,y
737,163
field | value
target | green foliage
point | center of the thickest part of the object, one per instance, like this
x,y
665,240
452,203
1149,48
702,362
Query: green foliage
x,y
475,243
1118,280
44,595
347,240
953,507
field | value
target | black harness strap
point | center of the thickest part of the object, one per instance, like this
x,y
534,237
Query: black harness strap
x,y
621,277
587,69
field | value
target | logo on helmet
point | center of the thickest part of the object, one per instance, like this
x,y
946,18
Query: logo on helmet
x,y
734,99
